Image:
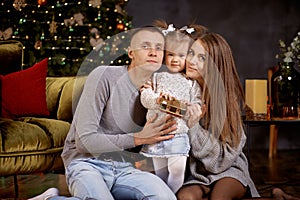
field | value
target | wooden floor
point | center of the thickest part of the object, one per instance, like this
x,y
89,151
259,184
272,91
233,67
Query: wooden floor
x,y
283,172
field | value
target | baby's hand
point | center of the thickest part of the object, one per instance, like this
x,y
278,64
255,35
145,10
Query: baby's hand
x,y
194,114
163,96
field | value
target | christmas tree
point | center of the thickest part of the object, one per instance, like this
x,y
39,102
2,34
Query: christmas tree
x,y
67,31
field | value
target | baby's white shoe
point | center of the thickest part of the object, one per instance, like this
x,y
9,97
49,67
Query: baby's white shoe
x,y
47,194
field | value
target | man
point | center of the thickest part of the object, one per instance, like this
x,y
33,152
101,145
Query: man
x,y
109,120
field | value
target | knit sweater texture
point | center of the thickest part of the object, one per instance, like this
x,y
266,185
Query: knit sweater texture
x,y
211,160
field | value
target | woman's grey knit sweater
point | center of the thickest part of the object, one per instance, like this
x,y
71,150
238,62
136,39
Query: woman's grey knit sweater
x,y
211,160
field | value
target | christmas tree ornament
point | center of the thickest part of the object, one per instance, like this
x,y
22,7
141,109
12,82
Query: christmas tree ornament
x,y
95,40
78,17
95,3
69,22
97,43
6,34
94,31
120,10
53,26
18,4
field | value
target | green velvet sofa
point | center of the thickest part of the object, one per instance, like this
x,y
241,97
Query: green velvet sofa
x,y
33,144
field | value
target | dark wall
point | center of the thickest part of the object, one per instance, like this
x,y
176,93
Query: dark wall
x,y
251,27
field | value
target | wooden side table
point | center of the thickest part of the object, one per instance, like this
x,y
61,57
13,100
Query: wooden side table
x,y
273,133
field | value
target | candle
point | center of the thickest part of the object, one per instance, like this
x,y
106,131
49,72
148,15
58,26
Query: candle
x,y
256,95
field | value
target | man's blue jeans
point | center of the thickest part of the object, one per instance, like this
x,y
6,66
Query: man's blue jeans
x,y
109,180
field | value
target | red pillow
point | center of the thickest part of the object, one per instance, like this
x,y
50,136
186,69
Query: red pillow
x,y
24,92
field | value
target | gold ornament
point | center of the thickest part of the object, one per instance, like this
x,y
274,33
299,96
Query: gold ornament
x,y
53,27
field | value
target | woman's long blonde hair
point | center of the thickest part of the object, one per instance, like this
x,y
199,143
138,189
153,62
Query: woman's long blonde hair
x,y
222,89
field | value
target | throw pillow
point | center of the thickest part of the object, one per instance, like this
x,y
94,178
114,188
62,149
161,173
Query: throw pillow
x,y
24,92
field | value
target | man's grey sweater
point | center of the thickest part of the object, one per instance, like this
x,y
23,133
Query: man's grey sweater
x,y
108,113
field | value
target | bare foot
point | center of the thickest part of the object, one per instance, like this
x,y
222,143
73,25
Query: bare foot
x,y
278,194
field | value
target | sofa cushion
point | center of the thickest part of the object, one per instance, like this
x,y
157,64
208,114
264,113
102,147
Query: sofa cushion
x,y
31,145
24,92
56,130
69,98
54,86
20,137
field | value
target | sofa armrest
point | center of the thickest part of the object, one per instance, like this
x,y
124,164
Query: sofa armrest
x,y
11,56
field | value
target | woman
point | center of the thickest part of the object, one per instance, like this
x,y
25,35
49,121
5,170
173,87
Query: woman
x,y
218,168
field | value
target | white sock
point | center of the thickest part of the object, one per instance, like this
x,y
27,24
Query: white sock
x,y
47,194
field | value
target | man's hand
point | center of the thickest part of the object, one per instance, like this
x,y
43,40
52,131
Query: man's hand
x,y
155,131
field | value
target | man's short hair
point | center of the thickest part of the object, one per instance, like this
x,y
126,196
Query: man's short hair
x,y
146,28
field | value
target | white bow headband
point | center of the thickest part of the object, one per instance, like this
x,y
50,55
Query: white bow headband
x,y
172,28
169,29
188,30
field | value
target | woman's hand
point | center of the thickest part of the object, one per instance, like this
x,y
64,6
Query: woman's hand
x,y
195,112
155,131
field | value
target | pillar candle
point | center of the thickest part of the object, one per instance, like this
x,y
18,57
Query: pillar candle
x,y
256,95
